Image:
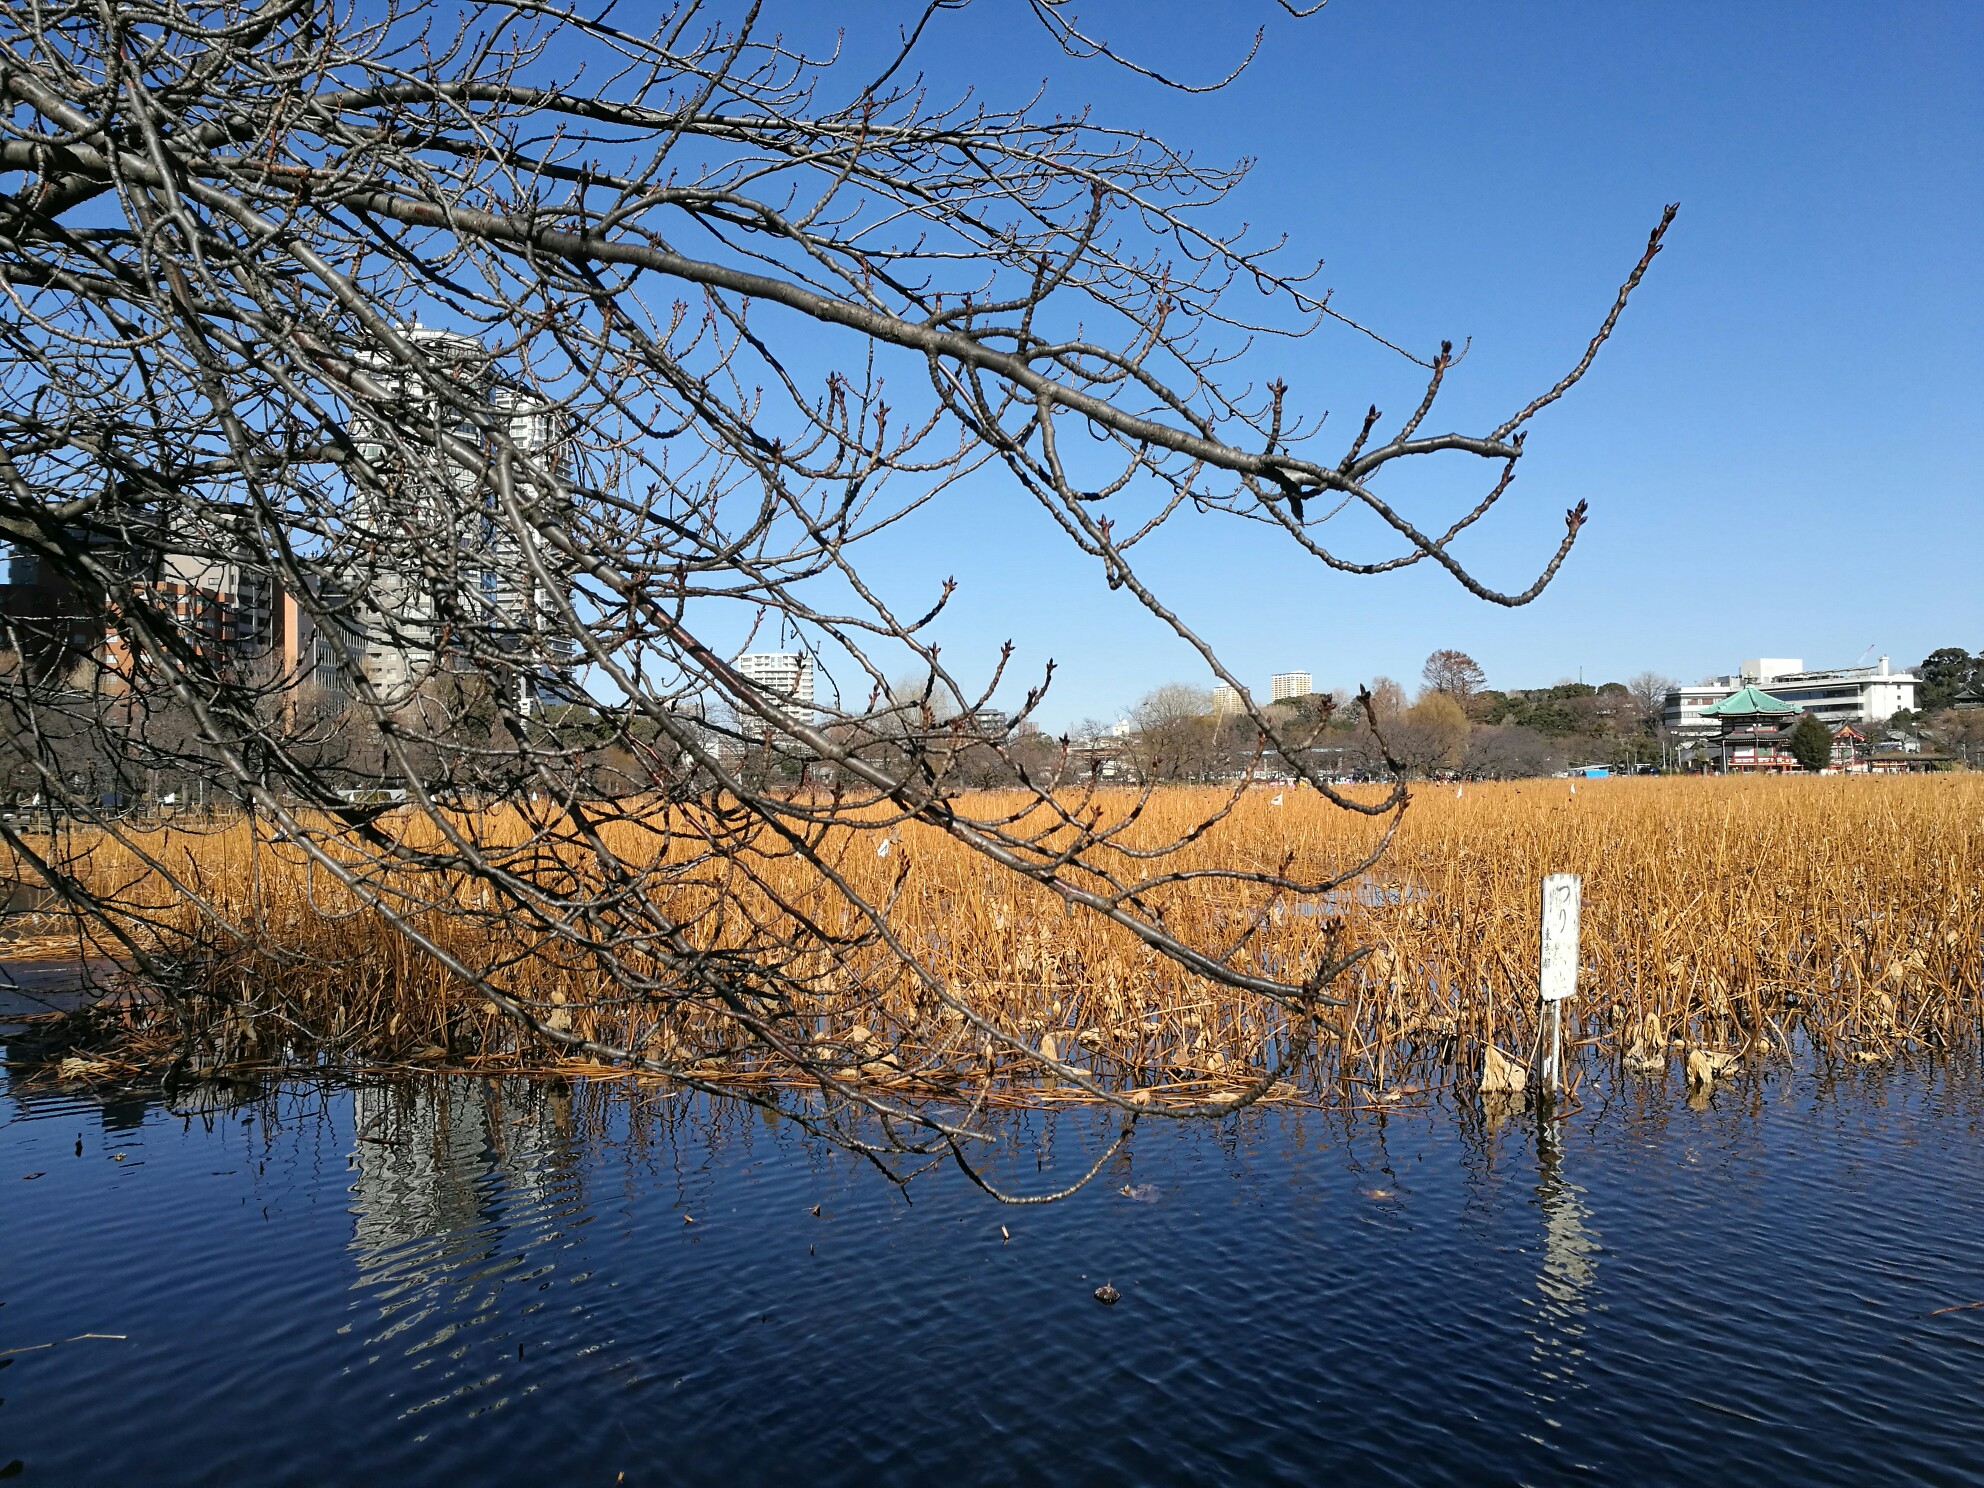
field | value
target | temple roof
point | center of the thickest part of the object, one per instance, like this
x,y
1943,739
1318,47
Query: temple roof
x,y
1750,700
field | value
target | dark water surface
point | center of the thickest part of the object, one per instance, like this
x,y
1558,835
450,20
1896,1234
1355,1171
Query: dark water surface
x,y
490,1284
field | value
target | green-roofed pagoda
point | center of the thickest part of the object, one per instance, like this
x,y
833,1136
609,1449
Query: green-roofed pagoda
x,y
1751,702
1756,731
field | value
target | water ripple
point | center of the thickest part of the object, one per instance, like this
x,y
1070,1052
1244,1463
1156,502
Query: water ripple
x,y
496,1283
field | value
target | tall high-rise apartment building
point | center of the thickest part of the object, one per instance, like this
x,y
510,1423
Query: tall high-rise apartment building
x,y
1225,699
787,675
1292,685
439,572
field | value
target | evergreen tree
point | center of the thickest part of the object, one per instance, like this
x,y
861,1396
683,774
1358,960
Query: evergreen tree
x,y
1945,673
1811,743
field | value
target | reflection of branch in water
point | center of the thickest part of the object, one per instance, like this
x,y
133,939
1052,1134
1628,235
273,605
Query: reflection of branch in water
x,y
1570,1265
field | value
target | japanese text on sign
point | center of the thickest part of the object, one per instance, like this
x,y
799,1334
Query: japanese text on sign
x,y
1559,973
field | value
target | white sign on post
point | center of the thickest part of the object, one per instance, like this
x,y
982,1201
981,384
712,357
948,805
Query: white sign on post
x,y
1559,973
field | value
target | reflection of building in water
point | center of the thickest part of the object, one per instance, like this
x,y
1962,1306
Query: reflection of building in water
x,y
1570,1268
462,1189
426,1159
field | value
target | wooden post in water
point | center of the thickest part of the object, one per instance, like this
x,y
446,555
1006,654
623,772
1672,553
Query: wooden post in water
x,y
1557,973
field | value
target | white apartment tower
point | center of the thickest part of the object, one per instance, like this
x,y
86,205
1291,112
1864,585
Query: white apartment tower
x,y
432,552
1287,685
786,675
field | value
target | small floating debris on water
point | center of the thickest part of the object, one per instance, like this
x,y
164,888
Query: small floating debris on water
x,y
1706,1066
1648,1054
35,1348
1107,1295
1003,1236
1500,1073
688,1219
816,1211
30,1177
1143,1193
1380,1193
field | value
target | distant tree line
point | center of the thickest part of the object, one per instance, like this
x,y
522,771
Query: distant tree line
x,y
1451,727
1454,726
1457,725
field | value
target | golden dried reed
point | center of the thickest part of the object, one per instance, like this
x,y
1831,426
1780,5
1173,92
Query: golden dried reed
x,y
1844,916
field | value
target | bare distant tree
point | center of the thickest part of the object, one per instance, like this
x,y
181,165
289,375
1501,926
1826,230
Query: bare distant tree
x,y
1454,673
1649,694
1428,737
538,345
1959,732
1176,734
1509,752
1382,701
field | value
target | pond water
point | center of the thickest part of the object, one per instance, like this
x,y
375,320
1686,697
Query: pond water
x,y
473,1282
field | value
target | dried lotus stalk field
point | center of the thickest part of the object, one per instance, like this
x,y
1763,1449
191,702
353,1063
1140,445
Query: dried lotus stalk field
x,y
1833,918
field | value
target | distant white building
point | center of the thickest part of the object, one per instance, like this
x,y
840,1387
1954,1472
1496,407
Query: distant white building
x,y
1287,685
787,675
429,534
1225,699
1871,694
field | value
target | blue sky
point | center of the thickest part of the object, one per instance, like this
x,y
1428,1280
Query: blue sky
x,y
1779,446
